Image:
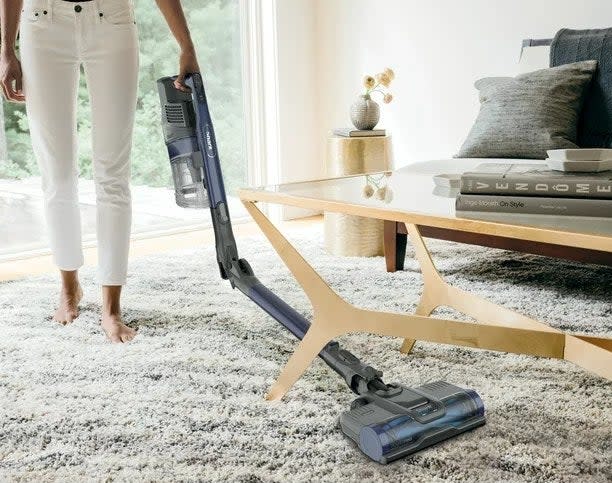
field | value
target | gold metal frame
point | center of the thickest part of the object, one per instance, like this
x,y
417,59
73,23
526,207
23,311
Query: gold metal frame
x,y
496,328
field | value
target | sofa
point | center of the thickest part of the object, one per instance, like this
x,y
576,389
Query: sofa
x,y
534,55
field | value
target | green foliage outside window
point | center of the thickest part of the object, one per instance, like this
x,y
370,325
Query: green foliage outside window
x,y
214,26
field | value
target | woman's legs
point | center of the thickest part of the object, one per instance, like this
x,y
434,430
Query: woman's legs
x,y
50,66
54,42
110,62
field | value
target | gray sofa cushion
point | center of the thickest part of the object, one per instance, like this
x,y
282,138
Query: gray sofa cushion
x,y
595,124
524,116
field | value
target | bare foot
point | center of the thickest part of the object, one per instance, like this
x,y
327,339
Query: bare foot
x,y
116,330
68,309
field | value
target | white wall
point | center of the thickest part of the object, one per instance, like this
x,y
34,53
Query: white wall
x,y
297,57
438,48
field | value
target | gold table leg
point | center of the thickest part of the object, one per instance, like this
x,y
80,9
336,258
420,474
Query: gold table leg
x,y
507,331
437,292
592,353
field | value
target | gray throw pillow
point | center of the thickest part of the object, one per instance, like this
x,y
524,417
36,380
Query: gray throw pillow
x,y
524,116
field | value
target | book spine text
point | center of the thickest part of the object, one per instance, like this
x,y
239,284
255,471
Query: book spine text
x,y
534,205
553,188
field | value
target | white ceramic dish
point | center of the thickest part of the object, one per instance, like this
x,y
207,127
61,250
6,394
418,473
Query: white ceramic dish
x,y
582,154
447,180
579,166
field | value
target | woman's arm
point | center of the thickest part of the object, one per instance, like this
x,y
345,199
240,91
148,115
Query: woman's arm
x,y
10,68
172,11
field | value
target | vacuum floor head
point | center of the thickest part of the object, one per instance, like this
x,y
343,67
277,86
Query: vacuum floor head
x,y
390,424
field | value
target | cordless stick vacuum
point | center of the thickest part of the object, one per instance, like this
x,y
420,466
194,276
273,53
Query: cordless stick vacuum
x,y
387,421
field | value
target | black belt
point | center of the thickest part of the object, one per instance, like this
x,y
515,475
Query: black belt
x,y
74,1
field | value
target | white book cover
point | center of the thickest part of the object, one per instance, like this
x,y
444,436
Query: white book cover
x,y
354,133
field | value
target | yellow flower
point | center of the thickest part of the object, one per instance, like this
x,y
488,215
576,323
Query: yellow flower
x,y
383,79
369,81
390,73
388,98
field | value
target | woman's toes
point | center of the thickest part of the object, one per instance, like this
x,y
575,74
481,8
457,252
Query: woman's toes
x,y
68,309
129,334
116,330
61,316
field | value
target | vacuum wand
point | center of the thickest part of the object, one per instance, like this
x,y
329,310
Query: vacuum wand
x,y
387,421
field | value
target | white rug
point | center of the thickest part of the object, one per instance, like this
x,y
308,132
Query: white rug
x,y
184,401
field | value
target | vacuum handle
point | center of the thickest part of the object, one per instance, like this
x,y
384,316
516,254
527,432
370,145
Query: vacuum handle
x,y
227,252
205,134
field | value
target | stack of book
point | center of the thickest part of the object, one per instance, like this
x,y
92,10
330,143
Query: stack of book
x,y
535,189
349,132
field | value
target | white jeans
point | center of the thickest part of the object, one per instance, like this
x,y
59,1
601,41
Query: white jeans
x,y
56,38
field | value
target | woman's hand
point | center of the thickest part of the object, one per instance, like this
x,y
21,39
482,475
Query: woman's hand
x,y
172,11
10,71
188,63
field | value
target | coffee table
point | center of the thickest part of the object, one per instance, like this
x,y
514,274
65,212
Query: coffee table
x,y
413,200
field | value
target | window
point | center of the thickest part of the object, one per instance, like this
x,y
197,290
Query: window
x,y
215,29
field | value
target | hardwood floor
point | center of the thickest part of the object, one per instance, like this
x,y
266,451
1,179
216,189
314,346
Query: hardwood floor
x,y
143,246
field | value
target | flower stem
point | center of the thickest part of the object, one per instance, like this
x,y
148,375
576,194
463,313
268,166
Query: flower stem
x,y
370,179
372,89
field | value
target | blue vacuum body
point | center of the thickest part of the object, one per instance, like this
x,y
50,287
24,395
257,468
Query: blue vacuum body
x,y
386,421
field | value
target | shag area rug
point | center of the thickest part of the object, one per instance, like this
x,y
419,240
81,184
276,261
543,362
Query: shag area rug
x,y
185,400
